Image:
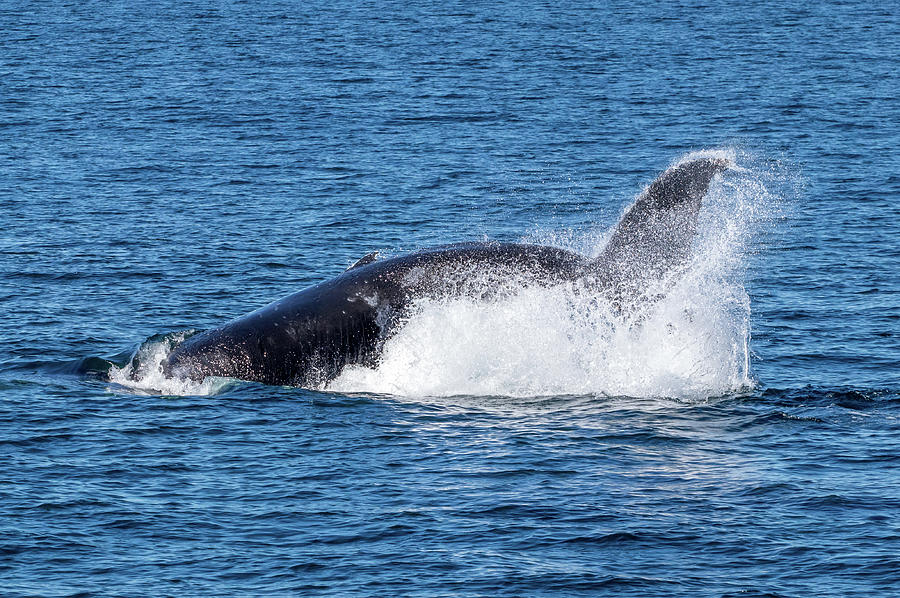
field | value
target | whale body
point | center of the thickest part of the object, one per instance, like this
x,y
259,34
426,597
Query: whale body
x,y
307,338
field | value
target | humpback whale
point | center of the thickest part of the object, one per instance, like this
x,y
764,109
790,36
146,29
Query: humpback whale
x,y
307,338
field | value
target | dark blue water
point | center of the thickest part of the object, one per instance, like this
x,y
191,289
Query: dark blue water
x,y
168,166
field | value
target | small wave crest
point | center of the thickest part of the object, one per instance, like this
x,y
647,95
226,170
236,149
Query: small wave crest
x,y
143,374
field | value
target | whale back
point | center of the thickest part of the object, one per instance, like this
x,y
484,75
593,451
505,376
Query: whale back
x,y
308,337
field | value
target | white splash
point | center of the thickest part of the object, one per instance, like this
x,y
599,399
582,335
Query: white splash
x,y
143,374
692,344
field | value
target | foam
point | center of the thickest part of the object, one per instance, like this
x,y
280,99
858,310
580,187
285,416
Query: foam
x,y
143,374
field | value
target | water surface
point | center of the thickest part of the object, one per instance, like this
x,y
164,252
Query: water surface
x,y
170,166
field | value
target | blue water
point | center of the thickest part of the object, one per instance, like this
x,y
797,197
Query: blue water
x,y
167,166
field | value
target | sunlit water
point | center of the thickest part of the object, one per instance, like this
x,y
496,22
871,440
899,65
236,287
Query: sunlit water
x,y
170,167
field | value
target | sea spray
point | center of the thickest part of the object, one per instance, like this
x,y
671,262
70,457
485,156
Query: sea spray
x,y
144,373
692,343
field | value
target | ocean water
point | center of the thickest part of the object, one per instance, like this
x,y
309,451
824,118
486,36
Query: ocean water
x,y
168,166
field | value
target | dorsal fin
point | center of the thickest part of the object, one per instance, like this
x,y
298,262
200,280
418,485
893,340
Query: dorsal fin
x,y
366,259
654,236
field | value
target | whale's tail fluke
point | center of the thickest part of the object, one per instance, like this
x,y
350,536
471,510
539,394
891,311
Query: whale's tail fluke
x,y
653,238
